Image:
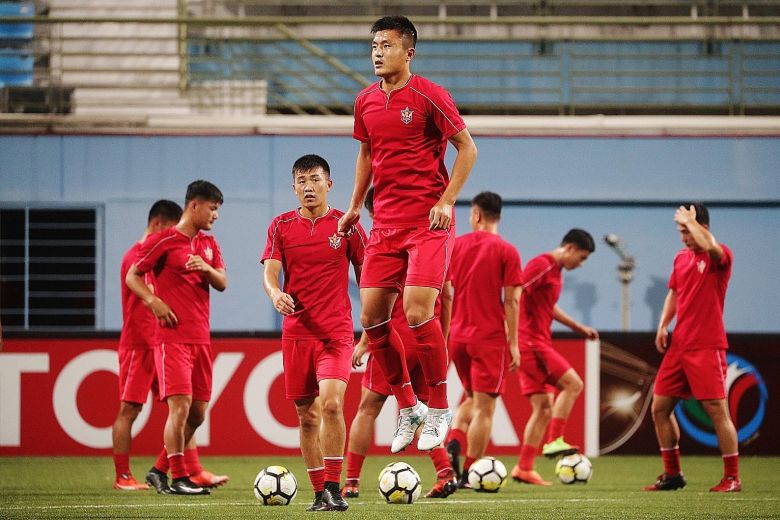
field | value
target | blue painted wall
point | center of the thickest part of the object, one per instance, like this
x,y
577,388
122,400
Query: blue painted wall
x,y
125,174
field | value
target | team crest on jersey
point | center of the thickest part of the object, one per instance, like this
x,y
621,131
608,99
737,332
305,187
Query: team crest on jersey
x,y
335,241
406,115
701,265
209,253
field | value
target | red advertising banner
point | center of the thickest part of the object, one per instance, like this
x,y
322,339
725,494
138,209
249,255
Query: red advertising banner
x,y
60,397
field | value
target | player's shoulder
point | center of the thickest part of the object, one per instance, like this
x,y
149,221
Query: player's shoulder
x,y
421,83
287,216
368,90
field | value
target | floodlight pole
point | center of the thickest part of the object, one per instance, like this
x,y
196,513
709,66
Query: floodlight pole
x,y
625,275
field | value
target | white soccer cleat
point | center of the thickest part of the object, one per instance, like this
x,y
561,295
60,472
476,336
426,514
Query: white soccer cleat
x,y
409,420
434,431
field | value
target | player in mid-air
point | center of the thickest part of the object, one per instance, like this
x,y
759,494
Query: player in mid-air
x,y
136,349
485,277
694,359
404,123
542,369
317,332
375,392
186,262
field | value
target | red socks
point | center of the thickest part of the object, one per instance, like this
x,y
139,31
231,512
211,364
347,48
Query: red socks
x,y
354,465
192,461
467,463
731,465
432,351
161,463
440,461
121,464
317,478
178,469
386,346
557,425
460,437
333,469
527,456
671,459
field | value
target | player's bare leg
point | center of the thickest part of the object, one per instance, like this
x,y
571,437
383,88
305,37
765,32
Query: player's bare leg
x,y
481,425
309,422
718,411
332,436
457,440
570,385
199,476
121,437
541,412
668,433
385,345
419,304
360,434
179,428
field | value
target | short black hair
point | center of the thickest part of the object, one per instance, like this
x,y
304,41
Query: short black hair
x,y
165,210
489,203
580,238
402,24
702,213
369,202
203,190
310,162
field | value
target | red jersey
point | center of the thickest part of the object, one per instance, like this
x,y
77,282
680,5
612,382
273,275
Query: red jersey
x,y
315,260
407,130
139,326
700,284
542,283
482,265
186,292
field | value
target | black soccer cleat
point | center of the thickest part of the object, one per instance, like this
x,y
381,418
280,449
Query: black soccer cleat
x,y
666,482
184,486
453,453
158,480
331,497
317,505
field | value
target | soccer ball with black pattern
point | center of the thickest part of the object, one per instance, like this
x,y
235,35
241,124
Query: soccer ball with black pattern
x,y
275,486
399,483
574,469
487,474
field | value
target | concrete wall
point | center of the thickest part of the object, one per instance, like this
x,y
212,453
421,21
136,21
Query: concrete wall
x,y
628,186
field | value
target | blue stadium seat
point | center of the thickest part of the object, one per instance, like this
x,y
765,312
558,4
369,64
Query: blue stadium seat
x,y
16,31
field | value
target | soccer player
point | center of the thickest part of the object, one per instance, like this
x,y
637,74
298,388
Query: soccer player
x,y
485,276
375,392
403,123
136,349
187,262
542,369
317,333
694,359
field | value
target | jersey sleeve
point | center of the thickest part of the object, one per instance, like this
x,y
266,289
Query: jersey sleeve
x,y
532,276
357,245
151,251
219,260
444,112
725,260
359,131
273,244
513,272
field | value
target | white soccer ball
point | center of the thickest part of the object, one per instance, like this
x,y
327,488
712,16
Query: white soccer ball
x,y
487,474
275,486
399,483
573,469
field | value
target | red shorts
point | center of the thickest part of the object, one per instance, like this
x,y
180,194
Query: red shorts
x,y
701,373
540,370
406,256
136,374
481,368
309,361
184,369
374,379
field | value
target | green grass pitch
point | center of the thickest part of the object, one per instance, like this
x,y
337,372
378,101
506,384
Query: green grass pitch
x,y
80,487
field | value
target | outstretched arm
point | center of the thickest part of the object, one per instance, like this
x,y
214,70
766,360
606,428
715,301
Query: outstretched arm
x,y
562,317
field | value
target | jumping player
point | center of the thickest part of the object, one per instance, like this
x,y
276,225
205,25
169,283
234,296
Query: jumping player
x,y
694,360
403,123
542,369
485,275
317,332
187,262
375,392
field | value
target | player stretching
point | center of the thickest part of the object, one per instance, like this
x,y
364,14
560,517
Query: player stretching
x,y
542,369
375,392
694,361
485,275
187,262
403,123
317,332
136,349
